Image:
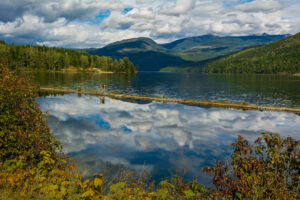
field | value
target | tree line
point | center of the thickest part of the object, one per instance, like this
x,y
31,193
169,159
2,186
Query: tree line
x,y
28,57
281,56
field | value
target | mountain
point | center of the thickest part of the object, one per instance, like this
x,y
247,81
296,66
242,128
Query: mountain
x,y
135,44
150,56
143,52
282,56
209,46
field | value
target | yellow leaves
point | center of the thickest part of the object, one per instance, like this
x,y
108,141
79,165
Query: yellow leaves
x,y
164,194
152,194
98,182
63,190
91,188
106,198
189,194
88,194
53,187
64,161
85,184
117,187
11,180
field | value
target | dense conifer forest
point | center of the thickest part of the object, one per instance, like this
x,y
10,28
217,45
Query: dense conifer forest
x,y
282,56
27,57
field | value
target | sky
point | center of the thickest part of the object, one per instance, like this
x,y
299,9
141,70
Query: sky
x,y
96,23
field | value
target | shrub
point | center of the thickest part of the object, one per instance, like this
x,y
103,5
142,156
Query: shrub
x,y
31,163
23,130
270,169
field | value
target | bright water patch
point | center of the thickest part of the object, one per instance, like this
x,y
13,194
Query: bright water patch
x,y
156,137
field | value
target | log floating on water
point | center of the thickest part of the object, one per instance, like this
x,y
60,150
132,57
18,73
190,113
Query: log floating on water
x,y
236,105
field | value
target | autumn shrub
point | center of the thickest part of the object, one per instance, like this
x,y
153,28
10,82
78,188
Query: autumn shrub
x,y
23,130
32,165
269,169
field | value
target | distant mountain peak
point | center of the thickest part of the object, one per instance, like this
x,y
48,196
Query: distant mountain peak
x,y
138,39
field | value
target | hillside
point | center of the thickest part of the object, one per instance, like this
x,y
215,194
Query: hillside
x,y
209,46
27,57
144,52
282,56
150,56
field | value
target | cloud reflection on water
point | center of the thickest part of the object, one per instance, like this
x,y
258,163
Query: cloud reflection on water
x,y
159,138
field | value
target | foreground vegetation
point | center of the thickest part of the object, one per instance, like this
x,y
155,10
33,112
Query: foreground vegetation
x,y
281,56
32,165
27,57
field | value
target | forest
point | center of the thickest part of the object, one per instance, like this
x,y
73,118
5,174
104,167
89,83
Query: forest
x,y
282,57
28,57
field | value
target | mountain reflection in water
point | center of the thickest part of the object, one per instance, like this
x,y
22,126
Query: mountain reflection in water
x,y
159,138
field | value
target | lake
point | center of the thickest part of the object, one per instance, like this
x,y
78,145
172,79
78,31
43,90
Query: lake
x,y
163,138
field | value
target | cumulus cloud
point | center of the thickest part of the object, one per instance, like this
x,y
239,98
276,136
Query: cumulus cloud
x,y
79,23
265,6
180,7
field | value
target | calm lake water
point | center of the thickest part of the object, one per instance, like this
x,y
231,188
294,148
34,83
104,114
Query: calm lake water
x,y
256,89
162,139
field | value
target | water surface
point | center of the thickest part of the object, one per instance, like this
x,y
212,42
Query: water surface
x,y
256,89
160,138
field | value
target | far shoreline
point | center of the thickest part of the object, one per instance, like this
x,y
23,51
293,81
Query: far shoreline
x,y
74,71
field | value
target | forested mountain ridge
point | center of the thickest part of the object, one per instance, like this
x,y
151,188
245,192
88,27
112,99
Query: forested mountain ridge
x,y
143,52
150,56
282,56
27,57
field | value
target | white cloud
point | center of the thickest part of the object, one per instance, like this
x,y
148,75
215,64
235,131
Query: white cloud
x,y
265,6
74,23
180,7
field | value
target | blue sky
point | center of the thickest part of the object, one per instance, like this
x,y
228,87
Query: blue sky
x,y
95,23
231,4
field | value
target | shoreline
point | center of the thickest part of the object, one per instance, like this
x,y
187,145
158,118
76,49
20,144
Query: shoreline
x,y
74,71
210,103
